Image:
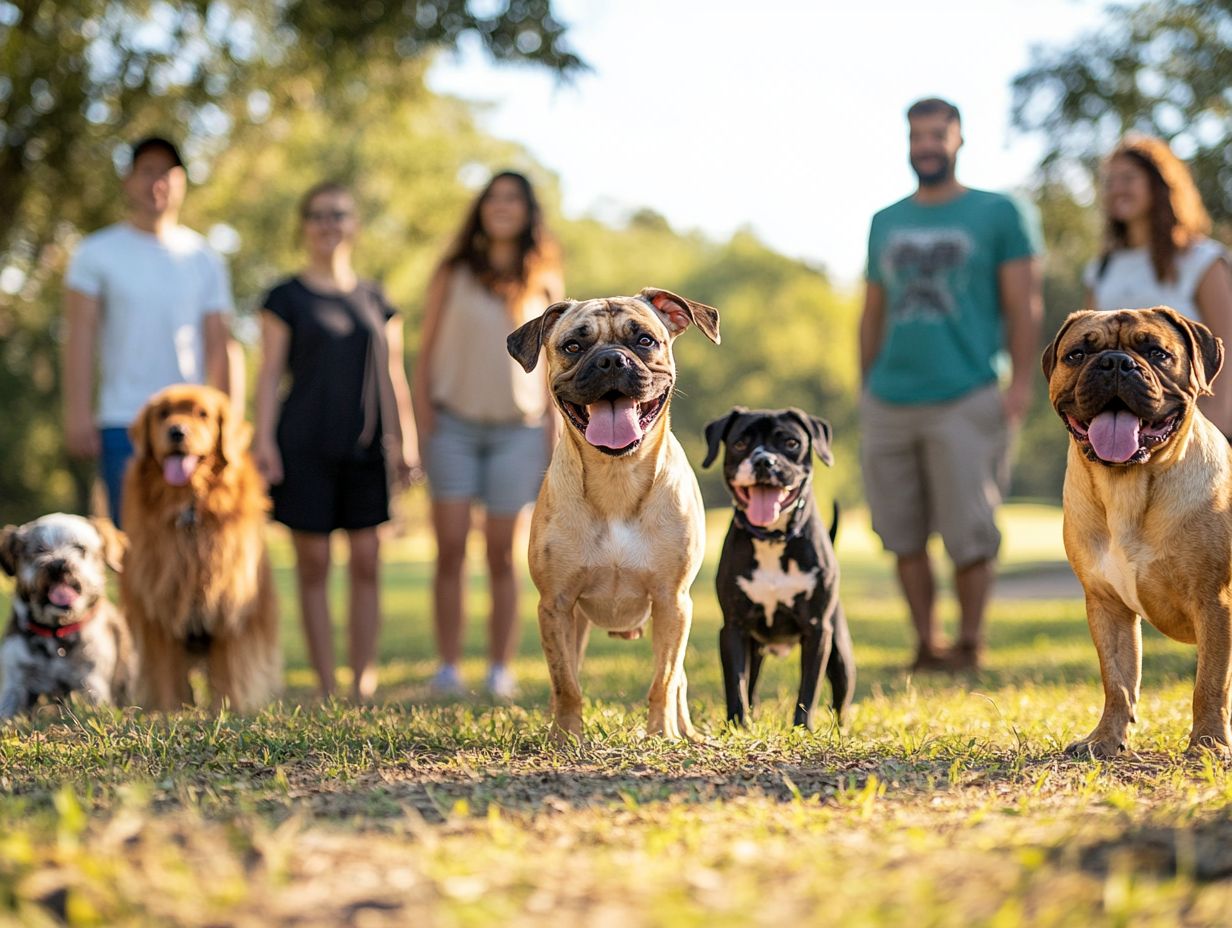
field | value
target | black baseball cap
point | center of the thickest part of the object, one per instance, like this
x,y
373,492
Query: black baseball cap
x,y
153,142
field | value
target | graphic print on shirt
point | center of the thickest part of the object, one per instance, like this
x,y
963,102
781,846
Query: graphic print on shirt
x,y
923,265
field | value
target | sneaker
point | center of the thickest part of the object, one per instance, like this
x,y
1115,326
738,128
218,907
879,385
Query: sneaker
x,y
501,683
446,681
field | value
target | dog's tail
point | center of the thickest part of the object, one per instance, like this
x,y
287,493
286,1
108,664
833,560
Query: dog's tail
x,y
834,524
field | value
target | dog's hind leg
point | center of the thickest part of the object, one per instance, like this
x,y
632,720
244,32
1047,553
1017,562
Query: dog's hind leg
x,y
841,667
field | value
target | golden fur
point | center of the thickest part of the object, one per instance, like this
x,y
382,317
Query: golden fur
x,y
196,585
616,541
1150,539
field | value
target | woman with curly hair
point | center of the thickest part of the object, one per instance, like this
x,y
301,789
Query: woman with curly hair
x,y
1156,250
486,426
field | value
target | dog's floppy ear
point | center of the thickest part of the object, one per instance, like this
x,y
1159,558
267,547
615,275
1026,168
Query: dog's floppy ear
x,y
677,312
819,432
234,434
10,549
716,433
1049,360
139,432
115,542
1205,348
526,340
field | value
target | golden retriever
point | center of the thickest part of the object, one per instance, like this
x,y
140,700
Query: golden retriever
x,y
196,586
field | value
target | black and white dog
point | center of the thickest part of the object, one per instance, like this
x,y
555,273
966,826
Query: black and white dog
x,y
64,635
777,578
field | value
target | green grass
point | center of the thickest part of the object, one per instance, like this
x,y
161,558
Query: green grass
x,y
946,802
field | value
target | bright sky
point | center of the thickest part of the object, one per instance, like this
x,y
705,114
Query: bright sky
x,y
786,116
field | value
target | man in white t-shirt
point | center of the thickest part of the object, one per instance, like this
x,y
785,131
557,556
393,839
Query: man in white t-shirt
x,y
151,301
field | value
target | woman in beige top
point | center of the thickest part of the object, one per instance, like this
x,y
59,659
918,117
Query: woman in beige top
x,y
485,425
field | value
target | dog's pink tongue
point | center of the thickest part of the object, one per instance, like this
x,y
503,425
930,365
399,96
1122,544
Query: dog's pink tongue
x,y
613,424
178,468
61,594
1114,435
765,505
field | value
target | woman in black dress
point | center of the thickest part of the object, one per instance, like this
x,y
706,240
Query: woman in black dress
x,y
331,446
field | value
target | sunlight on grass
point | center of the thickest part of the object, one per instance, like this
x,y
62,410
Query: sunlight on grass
x,y
946,801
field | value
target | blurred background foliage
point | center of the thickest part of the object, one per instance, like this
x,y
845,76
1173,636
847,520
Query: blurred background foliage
x,y
273,95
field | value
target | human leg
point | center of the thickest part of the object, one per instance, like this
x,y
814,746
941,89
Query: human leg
x,y
116,450
312,579
365,609
966,462
893,470
451,521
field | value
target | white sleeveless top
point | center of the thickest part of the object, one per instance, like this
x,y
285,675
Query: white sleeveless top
x,y
472,374
1128,280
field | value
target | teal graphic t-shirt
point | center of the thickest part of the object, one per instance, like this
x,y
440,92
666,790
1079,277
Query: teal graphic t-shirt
x,y
937,266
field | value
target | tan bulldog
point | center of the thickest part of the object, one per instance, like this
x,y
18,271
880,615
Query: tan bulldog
x,y
1148,505
618,532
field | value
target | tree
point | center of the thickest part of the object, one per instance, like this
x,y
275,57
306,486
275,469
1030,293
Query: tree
x,y
1163,67
79,79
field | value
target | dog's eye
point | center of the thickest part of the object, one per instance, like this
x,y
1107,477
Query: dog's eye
x,y
202,414
1075,356
1158,355
572,347
792,444
740,444
163,414
646,341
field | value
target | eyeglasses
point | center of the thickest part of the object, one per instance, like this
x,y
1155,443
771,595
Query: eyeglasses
x,y
330,215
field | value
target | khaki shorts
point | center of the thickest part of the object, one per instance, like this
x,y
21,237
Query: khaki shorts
x,y
936,467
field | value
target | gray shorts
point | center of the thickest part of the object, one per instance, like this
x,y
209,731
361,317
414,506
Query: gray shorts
x,y
936,467
499,465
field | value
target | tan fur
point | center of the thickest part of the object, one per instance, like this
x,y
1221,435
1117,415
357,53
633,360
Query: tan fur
x,y
1152,539
617,541
197,561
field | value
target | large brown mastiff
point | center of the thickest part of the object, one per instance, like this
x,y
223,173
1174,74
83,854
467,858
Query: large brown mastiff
x,y
618,531
1148,505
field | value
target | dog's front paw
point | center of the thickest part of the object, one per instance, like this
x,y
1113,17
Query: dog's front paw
x,y
1210,743
567,729
1096,747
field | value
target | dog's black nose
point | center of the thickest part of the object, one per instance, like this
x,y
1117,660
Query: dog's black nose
x,y
611,359
176,433
1117,361
57,567
762,459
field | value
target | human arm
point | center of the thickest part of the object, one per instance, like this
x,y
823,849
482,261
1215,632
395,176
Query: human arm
x,y
81,315
1214,299
872,327
421,393
1022,305
407,464
275,347
216,332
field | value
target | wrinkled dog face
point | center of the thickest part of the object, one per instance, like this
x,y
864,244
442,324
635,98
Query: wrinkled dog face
x,y
611,371
768,460
610,365
1123,382
60,565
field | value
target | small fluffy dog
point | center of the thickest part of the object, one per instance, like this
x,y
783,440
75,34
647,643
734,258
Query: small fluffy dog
x,y
64,635
196,586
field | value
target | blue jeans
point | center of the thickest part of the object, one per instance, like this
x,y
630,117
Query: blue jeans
x,y
117,450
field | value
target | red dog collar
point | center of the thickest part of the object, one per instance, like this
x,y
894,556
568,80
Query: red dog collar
x,y
59,631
